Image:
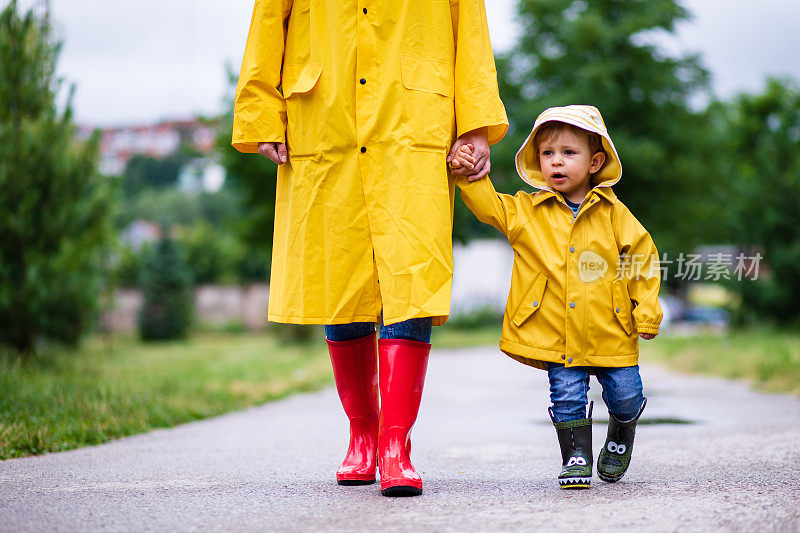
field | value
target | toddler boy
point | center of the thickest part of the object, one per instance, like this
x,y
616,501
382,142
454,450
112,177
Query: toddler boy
x,y
584,286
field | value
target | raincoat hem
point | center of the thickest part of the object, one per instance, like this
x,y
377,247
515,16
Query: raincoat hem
x,y
437,320
321,320
539,357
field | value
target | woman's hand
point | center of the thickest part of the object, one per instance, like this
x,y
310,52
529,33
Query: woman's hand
x,y
275,151
480,151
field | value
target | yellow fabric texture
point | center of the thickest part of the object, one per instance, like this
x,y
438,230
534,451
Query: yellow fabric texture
x,y
363,213
581,291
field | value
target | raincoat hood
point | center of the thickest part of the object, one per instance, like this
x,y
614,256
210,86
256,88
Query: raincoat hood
x,y
585,117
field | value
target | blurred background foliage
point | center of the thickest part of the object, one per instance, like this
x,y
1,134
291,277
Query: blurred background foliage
x,y
55,209
697,170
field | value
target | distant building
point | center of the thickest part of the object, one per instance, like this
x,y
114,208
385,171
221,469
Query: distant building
x,y
138,232
201,174
481,275
119,144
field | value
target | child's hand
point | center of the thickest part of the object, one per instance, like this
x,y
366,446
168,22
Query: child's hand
x,y
463,157
648,336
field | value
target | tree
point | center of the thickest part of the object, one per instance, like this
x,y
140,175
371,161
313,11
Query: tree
x,y
167,309
597,53
762,193
145,172
55,229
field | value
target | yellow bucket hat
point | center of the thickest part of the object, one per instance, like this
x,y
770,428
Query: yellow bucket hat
x,y
585,117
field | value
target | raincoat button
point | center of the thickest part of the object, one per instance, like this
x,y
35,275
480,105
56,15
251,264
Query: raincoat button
x,y
569,360
617,309
363,149
365,10
536,303
572,249
363,81
572,305
563,357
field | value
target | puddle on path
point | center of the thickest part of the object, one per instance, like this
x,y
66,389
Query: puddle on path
x,y
656,421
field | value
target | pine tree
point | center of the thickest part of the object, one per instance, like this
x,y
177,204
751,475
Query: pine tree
x,y
168,306
54,207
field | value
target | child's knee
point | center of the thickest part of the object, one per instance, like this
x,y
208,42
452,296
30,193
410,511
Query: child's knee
x,y
625,406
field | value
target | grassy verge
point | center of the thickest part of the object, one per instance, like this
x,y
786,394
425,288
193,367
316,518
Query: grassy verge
x,y
768,359
449,337
98,393
101,392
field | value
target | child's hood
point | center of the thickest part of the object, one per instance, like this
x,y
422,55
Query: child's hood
x,y
583,116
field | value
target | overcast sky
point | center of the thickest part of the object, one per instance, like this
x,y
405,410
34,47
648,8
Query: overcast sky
x,y
145,60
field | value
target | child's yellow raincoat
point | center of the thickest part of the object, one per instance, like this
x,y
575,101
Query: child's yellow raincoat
x,y
581,291
369,96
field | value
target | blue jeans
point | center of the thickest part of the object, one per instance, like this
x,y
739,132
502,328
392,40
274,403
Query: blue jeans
x,y
414,329
622,390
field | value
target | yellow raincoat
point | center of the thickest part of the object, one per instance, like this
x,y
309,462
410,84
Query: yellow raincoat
x,y
369,96
582,290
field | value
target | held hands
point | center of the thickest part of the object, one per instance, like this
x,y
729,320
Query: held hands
x,y
274,151
463,158
477,149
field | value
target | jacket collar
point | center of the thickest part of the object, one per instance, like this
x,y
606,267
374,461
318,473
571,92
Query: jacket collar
x,y
600,190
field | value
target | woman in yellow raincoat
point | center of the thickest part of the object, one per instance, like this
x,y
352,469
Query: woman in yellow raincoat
x,y
359,101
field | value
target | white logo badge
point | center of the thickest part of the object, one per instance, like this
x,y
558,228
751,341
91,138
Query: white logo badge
x,y
591,266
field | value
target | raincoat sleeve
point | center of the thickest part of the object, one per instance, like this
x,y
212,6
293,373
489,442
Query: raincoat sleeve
x,y
477,98
490,207
639,265
259,113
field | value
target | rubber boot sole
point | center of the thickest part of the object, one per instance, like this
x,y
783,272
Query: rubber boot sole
x,y
609,479
401,491
353,482
575,483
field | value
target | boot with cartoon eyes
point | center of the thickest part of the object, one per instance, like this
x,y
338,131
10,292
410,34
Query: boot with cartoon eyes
x,y
575,439
615,457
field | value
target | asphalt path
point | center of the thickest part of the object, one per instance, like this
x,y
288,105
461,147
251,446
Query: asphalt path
x,y
712,455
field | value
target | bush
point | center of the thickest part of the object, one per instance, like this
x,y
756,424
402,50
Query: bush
x,y
168,296
478,318
55,209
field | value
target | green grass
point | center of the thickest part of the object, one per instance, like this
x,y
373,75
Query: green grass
x,y
770,360
97,393
69,399
451,337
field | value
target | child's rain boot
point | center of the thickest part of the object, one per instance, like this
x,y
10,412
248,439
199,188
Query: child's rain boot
x,y
615,457
575,439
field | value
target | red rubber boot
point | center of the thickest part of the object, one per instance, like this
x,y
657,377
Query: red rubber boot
x,y
402,374
355,370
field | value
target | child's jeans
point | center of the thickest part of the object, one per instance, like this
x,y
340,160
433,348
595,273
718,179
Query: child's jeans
x,y
414,329
622,391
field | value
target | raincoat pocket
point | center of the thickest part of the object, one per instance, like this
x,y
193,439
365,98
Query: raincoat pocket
x,y
622,305
531,302
429,105
303,117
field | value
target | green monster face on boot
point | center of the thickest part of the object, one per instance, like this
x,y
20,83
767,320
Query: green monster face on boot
x,y
575,440
615,457
577,473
